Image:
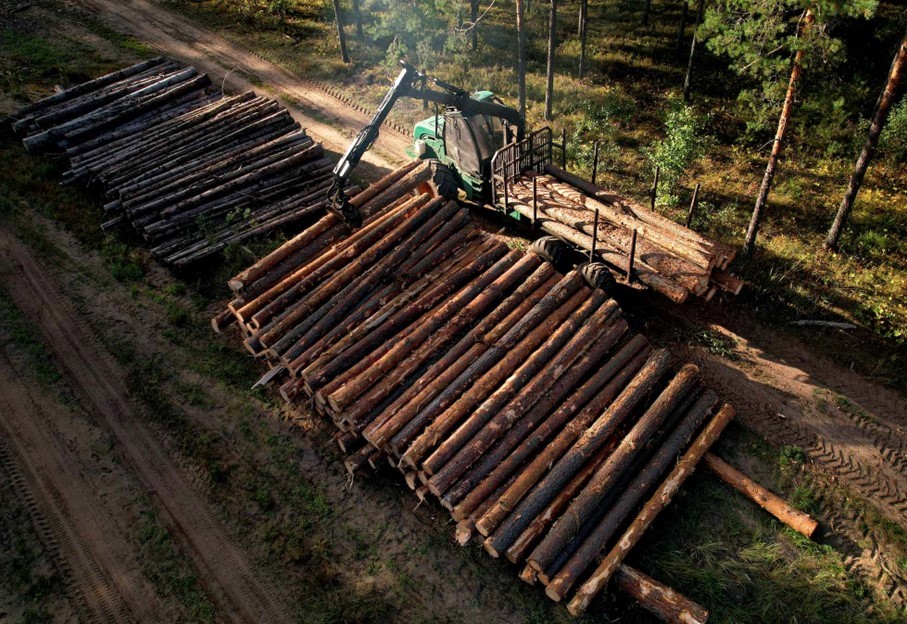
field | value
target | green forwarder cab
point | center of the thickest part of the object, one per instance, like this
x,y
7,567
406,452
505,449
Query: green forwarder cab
x,y
463,143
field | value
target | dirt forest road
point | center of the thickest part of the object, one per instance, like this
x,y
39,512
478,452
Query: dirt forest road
x,y
233,583
324,117
49,478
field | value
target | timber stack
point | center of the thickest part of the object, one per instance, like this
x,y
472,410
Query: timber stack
x,y
500,382
190,169
641,244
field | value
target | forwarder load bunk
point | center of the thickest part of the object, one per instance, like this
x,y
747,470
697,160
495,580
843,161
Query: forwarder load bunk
x,y
666,256
190,169
510,389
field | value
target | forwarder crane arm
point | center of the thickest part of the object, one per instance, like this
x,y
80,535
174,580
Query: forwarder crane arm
x,y
409,83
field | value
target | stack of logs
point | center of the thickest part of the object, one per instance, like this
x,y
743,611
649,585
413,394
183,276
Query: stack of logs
x,y
643,245
190,169
513,392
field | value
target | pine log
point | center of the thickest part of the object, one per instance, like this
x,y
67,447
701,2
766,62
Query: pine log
x,y
660,600
589,442
650,511
797,520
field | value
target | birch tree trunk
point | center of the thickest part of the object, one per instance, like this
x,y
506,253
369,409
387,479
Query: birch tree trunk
x,y
883,107
786,111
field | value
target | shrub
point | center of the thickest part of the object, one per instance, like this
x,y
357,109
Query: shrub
x,y
684,143
893,142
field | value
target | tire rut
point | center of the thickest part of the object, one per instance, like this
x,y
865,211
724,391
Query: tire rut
x,y
240,594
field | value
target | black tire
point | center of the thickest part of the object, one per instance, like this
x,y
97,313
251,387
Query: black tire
x,y
443,182
597,275
551,249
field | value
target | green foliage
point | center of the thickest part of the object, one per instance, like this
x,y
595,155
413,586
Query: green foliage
x,y
418,32
758,37
684,142
600,120
893,142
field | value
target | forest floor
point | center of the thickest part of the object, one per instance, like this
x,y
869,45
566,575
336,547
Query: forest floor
x,y
123,416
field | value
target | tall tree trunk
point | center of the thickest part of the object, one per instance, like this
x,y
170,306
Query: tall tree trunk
x,y
552,44
357,15
689,76
883,107
341,36
645,12
473,18
583,15
521,56
786,111
684,9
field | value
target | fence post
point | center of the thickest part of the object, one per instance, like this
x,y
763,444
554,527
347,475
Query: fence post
x,y
564,149
594,162
535,201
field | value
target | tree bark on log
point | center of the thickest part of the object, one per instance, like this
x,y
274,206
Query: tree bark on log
x,y
650,511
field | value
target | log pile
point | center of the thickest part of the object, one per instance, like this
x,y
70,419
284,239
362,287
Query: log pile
x,y
191,170
509,388
666,256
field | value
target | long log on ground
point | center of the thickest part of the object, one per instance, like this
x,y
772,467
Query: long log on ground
x,y
607,476
650,511
658,599
605,426
562,346
639,487
772,503
592,397
501,417
496,443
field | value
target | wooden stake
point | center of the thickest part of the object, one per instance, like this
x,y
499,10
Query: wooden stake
x,y
693,205
630,276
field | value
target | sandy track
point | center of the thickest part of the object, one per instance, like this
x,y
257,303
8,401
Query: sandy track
x,y
327,119
231,580
101,583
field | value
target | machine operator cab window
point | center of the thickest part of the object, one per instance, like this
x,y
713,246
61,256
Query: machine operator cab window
x,y
472,140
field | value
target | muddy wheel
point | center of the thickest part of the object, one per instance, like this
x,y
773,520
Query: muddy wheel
x,y
443,183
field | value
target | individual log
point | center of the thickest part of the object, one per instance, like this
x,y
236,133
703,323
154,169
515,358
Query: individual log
x,y
658,599
797,520
584,448
607,476
561,582
650,511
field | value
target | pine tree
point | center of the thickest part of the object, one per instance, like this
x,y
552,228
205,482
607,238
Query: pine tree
x,y
521,56
883,107
583,17
341,37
